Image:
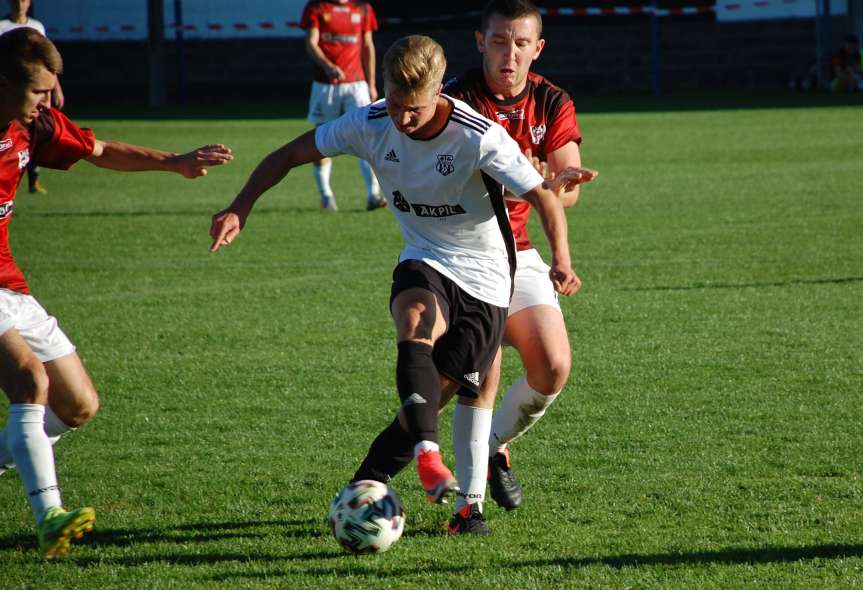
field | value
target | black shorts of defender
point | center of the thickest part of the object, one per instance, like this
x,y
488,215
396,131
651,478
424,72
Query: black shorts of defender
x,y
475,328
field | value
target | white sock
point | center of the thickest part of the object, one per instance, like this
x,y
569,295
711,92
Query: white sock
x,y
54,427
425,445
521,408
372,186
322,178
34,457
470,431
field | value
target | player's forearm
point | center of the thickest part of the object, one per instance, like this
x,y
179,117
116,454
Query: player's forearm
x,y
265,176
127,157
368,58
317,55
553,221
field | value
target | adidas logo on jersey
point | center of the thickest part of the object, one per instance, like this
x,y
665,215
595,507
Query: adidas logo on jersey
x,y
473,378
413,399
391,156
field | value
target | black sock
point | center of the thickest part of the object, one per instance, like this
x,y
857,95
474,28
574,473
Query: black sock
x,y
418,383
390,452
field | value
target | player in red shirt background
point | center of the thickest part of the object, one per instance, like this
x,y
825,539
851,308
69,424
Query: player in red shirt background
x,y
541,118
48,388
339,41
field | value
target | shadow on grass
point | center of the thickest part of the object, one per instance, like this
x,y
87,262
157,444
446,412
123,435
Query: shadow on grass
x,y
722,556
294,211
184,533
788,283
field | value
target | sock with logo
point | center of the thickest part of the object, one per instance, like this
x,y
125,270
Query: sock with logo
x,y
322,177
31,450
372,186
418,384
470,431
390,452
521,408
54,427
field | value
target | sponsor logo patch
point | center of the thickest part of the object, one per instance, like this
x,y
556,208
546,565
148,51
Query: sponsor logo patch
x,y
400,203
5,145
437,210
514,115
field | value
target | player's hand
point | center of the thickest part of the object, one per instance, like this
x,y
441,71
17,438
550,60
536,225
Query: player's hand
x,y
334,73
564,279
225,227
58,99
539,165
568,178
373,92
194,164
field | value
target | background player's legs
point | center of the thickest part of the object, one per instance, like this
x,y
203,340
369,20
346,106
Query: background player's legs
x,y
25,382
539,335
72,401
353,96
374,200
33,183
321,171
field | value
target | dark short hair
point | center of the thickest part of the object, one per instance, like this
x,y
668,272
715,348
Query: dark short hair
x,y
23,50
510,9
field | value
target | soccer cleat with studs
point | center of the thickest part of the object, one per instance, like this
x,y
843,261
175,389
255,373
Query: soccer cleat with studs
x,y
328,203
503,485
375,202
37,187
468,521
437,481
59,528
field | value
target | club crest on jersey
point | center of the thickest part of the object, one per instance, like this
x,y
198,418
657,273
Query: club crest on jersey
x,y
515,115
444,164
23,158
5,145
6,209
537,134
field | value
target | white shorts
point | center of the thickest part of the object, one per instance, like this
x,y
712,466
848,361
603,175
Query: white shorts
x,y
38,329
533,286
331,101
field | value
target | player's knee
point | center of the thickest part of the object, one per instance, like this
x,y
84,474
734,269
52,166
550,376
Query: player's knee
x,y
28,383
86,407
551,375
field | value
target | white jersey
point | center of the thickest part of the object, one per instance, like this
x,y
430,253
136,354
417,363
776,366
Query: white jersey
x,y
32,23
436,191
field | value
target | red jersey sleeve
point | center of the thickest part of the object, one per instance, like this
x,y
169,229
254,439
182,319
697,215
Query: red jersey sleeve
x,y
563,129
57,142
310,18
370,22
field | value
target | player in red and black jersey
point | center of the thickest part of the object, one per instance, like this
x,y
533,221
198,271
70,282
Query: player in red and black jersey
x,y
541,118
339,41
48,388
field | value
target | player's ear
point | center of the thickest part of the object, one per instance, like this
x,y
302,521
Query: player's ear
x,y
539,46
480,45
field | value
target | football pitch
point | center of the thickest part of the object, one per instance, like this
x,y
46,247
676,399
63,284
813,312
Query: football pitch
x,y
710,436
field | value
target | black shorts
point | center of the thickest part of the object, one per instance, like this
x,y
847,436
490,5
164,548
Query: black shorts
x,y
475,328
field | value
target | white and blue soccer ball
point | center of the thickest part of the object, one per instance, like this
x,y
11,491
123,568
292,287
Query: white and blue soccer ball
x,y
367,517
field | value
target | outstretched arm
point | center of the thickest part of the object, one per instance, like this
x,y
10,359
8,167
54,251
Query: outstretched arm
x,y
550,210
227,223
368,59
127,157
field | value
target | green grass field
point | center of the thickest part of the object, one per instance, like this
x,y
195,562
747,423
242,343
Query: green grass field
x,y
710,436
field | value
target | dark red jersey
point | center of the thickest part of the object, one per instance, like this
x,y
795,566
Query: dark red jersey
x,y
341,28
541,118
51,140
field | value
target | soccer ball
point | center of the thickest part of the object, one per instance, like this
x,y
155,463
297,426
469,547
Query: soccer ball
x,y
366,517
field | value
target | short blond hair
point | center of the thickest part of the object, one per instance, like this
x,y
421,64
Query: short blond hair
x,y
414,64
